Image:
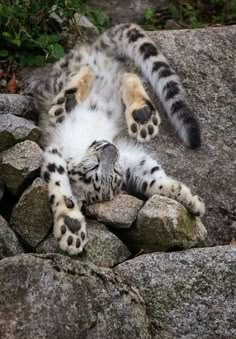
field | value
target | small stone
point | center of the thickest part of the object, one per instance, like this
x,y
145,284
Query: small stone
x,y
9,243
19,165
31,217
103,248
120,212
163,224
14,129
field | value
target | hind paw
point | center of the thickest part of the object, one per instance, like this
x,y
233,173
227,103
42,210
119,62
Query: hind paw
x,y
70,231
143,123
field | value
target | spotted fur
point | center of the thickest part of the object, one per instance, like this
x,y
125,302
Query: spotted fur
x,y
85,103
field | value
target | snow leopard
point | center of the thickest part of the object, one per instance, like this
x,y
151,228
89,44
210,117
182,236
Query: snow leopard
x,y
88,99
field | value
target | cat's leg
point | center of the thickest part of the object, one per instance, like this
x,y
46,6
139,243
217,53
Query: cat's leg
x,y
69,222
144,176
142,118
75,91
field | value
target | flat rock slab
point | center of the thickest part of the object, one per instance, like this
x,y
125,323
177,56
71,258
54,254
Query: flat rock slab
x,y
103,248
31,217
20,164
14,129
16,104
56,297
163,224
9,243
120,212
190,294
205,61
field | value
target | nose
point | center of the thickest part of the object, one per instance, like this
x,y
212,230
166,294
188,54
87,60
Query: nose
x,y
109,153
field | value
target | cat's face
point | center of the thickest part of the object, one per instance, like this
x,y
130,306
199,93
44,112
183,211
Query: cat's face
x,y
98,176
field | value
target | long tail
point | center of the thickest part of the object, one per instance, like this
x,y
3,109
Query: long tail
x,y
129,40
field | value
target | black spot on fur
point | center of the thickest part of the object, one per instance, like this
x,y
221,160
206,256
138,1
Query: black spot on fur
x,y
152,182
128,174
60,169
154,169
160,187
46,176
144,186
165,72
157,65
51,167
177,106
133,35
142,163
55,151
147,49
93,107
87,180
57,183
52,199
171,89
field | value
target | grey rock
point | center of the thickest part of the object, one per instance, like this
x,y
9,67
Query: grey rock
x,y
9,243
205,61
14,129
163,224
20,164
55,297
103,249
16,104
120,212
190,294
31,217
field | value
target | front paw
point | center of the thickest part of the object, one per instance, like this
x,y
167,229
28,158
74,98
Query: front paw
x,y
70,231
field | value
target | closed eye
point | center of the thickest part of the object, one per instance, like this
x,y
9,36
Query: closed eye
x,y
93,168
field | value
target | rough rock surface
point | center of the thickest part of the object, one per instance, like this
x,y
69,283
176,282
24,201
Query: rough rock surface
x,y
103,249
17,104
20,164
9,243
205,61
190,294
31,217
120,212
163,224
14,129
56,297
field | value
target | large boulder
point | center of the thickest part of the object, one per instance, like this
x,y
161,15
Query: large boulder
x,y
14,129
9,243
188,294
56,297
103,248
20,164
120,212
31,217
163,224
205,61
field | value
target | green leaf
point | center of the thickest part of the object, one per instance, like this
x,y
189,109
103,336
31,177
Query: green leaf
x,y
3,53
56,51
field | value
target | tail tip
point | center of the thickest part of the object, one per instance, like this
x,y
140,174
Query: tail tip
x,y
193,136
